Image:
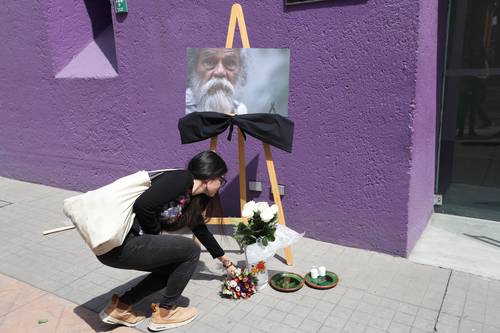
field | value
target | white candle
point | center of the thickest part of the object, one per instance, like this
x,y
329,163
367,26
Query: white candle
x,y
314,273
322,271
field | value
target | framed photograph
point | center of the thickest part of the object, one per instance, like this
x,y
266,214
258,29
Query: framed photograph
x,y
237,81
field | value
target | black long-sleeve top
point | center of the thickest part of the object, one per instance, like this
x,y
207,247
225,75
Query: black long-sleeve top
x,y
165,188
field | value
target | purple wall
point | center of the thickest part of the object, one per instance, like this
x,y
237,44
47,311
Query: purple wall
x,y
355,99
423,125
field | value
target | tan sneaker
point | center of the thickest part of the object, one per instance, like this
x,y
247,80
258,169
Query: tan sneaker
x,y
117,312
164,319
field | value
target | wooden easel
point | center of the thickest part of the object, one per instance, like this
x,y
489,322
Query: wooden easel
x,y
237,16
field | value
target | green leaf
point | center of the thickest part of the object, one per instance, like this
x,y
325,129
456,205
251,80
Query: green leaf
x,y
264,241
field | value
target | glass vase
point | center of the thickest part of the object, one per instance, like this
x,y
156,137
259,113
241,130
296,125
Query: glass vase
x,y
261,272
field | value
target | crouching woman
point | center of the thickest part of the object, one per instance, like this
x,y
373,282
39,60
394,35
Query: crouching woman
x,y
176,199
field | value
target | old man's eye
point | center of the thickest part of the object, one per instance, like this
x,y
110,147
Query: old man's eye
x,y
209,63
230,64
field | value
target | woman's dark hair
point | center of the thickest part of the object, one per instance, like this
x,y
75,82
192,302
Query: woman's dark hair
x,y
206,165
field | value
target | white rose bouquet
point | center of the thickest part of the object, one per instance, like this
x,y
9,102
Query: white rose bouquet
x,y
262,220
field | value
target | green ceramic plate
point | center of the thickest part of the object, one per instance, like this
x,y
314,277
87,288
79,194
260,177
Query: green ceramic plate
x,y
329,281
286,281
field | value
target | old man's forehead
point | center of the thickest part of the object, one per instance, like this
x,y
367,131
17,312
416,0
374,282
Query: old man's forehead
x,y
205,53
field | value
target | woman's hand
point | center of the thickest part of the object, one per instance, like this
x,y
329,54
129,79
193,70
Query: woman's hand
x,y
231,270
228,265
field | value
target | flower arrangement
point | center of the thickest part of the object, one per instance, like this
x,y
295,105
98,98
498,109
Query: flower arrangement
x,y
242,285
261,226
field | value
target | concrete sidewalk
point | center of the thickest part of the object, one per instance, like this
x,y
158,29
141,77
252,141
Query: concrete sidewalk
x,y
376,293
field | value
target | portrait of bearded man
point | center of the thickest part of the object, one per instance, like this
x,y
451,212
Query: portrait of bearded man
x,y
215,76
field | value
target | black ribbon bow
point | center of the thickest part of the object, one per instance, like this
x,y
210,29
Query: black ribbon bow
x,y
273,129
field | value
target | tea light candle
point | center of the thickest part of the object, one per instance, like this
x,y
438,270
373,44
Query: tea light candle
x,y
314,273
322,271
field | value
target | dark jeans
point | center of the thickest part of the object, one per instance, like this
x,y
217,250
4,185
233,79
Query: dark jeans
x,y
171,259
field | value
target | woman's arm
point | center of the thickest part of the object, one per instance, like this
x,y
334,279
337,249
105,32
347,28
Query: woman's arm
x,y
208,240
164,188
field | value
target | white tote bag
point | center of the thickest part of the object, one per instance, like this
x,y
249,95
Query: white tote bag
x,y
104,216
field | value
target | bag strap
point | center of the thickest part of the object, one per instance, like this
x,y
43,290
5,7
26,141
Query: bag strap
x,y
155,173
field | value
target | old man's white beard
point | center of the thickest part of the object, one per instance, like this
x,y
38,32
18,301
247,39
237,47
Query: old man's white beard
x,y
216,95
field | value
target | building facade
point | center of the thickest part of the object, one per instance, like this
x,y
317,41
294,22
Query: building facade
x,y
87,96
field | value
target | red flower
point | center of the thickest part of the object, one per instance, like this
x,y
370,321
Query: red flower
x,y
261,265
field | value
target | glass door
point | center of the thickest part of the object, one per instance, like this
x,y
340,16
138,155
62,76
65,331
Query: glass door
x,y
468,174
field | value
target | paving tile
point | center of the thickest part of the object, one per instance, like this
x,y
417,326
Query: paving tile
x,y
384,313
442,328
243,328
399,328
353,327
371,299
476,314
404,318
207,305
309,325
331,298
418,330
286,329
221,322
367,308
261,310
424,324
470,326
453,306
448,320
201,327
310,301
270,301
236,314
349,302
276,315
294,320
427,314
327,329
266,325
491,329
325,306
379,323
342,312
319,316
335,322
408,309
374,330
389,303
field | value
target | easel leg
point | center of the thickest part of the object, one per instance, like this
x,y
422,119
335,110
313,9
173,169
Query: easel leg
x,y
243,176
277,198
213,143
